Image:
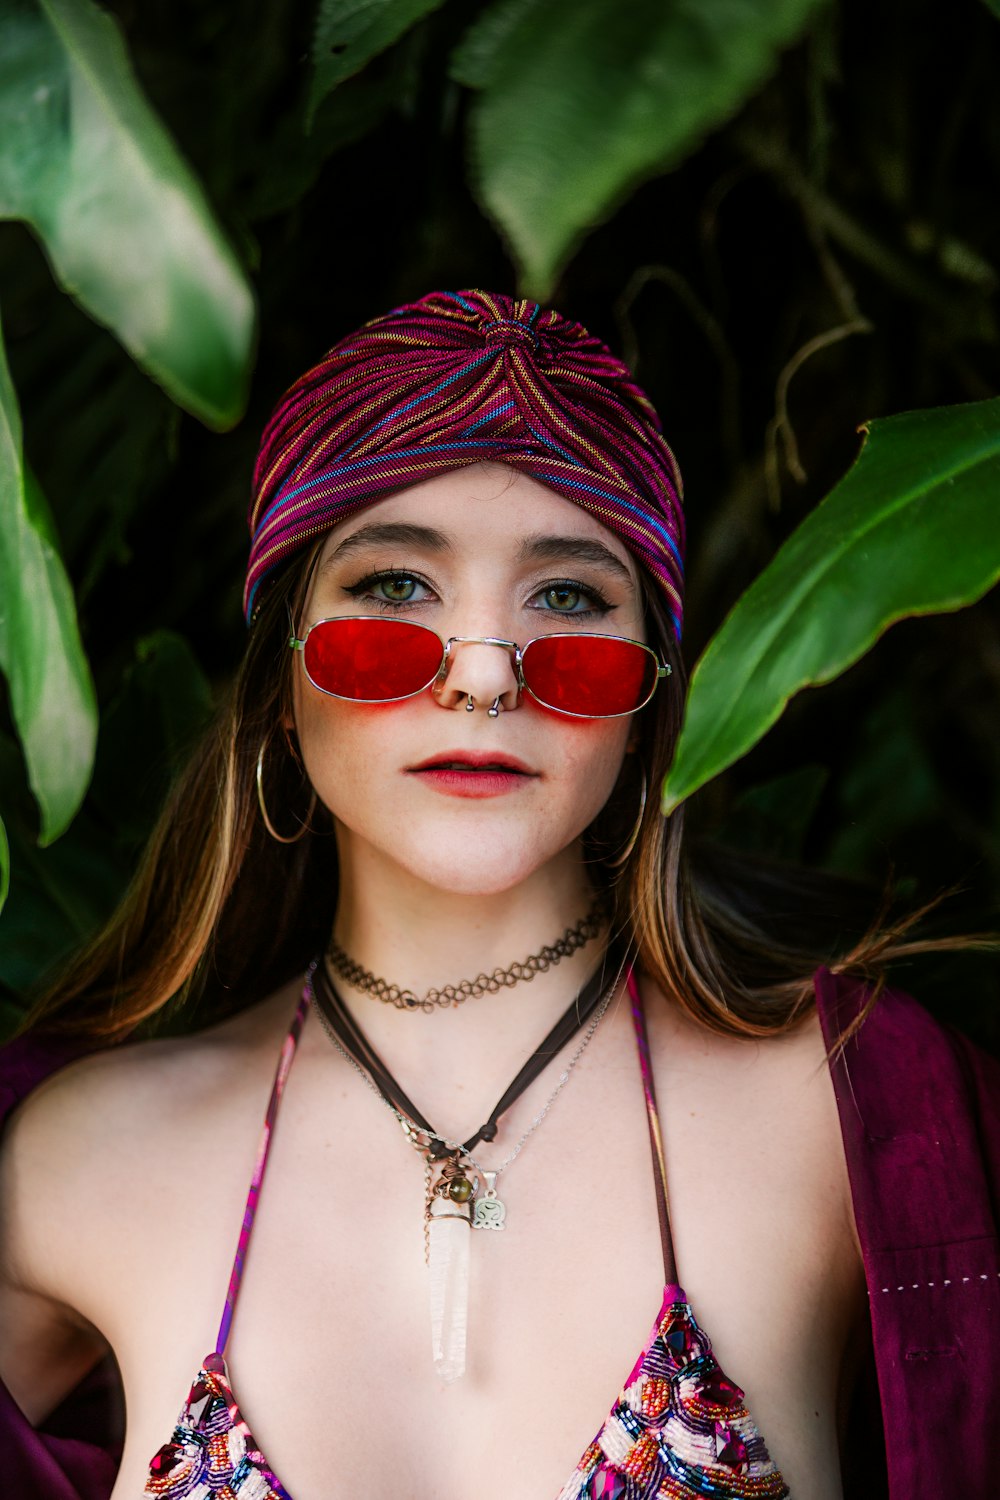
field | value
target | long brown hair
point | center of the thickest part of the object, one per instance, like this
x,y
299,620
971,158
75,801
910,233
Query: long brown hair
x,y
219,913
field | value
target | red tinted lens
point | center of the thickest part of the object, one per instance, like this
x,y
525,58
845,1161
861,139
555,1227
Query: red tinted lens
x,y
594,676
371,660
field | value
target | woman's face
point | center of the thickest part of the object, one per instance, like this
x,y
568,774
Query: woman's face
x,y
479,551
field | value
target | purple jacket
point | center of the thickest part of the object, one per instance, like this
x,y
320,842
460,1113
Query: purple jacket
x,y
920,1114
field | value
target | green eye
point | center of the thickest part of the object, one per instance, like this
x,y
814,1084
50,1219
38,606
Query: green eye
x,y
562,596
398,588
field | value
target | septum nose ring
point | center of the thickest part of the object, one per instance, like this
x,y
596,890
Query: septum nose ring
x,y
477,640
493,711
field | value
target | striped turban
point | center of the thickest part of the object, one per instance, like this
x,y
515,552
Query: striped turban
x,y
461,378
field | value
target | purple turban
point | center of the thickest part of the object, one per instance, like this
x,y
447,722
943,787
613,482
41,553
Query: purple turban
x,y
461,378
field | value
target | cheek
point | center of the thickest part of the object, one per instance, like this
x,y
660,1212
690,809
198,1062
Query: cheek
x,y
593,753
339,743
309,721
353,755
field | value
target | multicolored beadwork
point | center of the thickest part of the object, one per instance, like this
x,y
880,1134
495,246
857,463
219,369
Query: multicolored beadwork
x,y
212,1454
679,1429
460,378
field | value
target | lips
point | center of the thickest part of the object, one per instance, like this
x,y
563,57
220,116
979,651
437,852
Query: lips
x,y
470,761
471,775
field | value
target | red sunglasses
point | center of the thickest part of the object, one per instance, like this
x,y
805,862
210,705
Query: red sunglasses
x,y
371,660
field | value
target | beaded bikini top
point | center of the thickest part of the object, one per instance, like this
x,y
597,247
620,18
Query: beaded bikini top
x,y
679,1428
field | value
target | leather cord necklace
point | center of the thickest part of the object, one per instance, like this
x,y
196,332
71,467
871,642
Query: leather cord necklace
x,y
449,1185
357,1045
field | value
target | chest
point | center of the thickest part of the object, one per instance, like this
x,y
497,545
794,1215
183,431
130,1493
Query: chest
x,y
330,1350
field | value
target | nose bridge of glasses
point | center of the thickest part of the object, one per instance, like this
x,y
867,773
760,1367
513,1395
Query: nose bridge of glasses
x,y
481,640
511,647
451,663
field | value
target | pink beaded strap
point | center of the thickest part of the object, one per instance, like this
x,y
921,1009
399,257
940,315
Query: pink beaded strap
x,y
655,1134
284,1064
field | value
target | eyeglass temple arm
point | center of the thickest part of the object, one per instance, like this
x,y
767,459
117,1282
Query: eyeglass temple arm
x,y
293,640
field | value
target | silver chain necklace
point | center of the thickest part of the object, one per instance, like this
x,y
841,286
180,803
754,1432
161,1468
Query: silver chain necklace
x,y
447,1216
493,1216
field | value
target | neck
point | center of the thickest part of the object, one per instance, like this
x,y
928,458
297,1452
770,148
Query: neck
x,y
417,935
454,1061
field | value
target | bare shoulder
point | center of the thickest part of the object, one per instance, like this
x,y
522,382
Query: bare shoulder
x,y
93,1145
769,1102
763,1225
788,1060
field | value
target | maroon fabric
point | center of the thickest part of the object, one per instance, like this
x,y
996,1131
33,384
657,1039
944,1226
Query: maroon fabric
x,y
920,1114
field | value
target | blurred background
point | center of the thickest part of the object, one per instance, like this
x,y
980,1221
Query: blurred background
x,y
783,214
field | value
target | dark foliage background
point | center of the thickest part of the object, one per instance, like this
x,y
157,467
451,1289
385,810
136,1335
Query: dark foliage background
x,y
830,255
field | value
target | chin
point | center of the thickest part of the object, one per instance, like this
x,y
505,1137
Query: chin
x,y
479,871
471,860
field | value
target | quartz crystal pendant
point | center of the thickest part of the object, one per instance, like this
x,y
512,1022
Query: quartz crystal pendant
x,y
449,1235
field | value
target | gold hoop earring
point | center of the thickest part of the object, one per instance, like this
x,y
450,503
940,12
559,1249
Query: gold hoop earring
x,y
279,837
620,859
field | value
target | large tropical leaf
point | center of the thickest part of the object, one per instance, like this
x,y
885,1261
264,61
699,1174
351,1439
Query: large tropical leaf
x,y
147,730
912,529
59,898
351,32
51,693
584,99
86,162
61,895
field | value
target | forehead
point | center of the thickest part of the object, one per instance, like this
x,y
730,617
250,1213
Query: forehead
x,y
488,510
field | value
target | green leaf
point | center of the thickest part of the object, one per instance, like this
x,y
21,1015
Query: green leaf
x,y
351,32
289,163
774,816
478,58
584,99
911,530
59,898
126,227
51,692
887,789
162,705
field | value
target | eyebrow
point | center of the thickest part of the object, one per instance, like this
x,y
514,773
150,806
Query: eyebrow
x,y
532,548
392,533
580,549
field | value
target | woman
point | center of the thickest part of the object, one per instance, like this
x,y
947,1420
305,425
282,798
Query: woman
x,y
462,675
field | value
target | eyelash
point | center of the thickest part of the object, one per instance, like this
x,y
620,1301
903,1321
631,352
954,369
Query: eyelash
x,y
357,591
590,591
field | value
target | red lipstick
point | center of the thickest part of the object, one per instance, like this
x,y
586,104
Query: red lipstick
x,y
473,773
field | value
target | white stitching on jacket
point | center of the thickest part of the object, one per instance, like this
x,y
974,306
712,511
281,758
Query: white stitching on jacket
x,y
916,1285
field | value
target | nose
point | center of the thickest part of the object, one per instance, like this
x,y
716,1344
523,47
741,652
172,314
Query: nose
x,y
478,671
